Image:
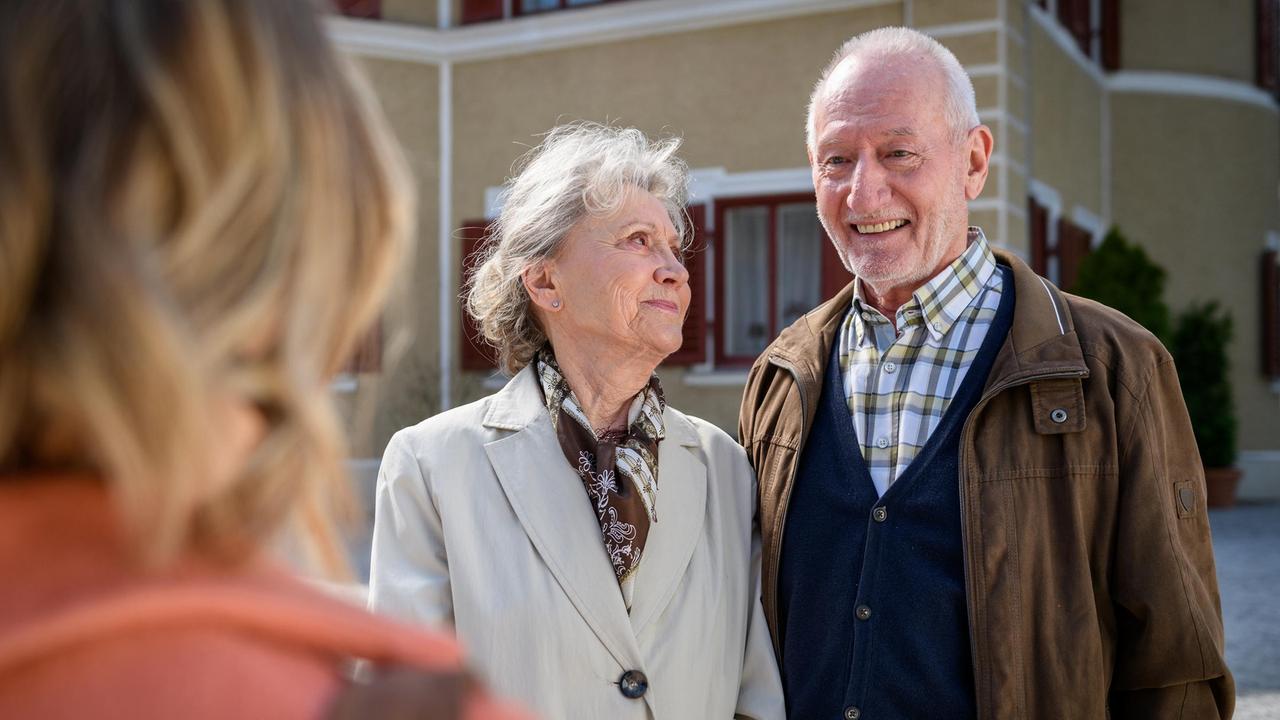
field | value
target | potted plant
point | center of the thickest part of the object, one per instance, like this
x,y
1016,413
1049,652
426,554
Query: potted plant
x,y
1119,274
1199,347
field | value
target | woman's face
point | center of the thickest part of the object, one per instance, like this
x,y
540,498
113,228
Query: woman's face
x,y
622,287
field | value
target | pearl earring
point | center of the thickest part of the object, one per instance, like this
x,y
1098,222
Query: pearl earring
x,y
555,303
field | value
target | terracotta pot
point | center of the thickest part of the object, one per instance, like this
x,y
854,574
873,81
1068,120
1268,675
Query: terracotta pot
x,y
1221,484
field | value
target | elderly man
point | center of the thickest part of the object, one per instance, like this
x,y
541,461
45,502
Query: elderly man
x,y
980,496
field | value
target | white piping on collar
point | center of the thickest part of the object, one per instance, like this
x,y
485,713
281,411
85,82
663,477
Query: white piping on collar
x,y
1062,330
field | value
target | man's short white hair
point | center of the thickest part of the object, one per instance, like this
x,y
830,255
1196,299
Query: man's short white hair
x,y
961,111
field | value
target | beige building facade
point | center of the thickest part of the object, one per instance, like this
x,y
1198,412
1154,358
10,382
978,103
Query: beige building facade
x,y
1138,116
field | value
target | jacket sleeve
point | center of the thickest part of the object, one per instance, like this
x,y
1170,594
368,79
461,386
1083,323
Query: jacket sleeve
x,y
747,413
1169,651
409,568
760,694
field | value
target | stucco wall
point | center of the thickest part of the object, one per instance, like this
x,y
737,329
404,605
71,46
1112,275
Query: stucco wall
x,y
736,95
1201,199
927,13
1213,38
408,389
1066,124
1194,179
424,13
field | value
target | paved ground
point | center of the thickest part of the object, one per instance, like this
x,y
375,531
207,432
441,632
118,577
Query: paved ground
x,y
1246,541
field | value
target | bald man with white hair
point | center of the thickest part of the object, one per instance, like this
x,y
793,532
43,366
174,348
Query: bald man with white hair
x,y
980,496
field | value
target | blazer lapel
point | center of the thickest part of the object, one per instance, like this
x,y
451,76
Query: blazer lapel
x,y
552,505
681,510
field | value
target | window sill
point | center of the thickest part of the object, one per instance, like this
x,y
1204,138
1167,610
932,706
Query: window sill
x,y
723,377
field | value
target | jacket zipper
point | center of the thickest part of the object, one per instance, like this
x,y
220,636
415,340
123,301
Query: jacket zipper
x,y
966,439
775,556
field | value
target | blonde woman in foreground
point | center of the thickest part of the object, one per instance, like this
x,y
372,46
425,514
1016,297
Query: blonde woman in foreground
x,y
593,546
182,185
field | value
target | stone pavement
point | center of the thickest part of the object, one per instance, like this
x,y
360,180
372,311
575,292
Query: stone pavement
x,y
1246,543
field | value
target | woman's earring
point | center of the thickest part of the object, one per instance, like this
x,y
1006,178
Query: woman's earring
x,y
555,303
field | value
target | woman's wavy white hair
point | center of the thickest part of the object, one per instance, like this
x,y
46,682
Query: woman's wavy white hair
x,y
961,113
580,169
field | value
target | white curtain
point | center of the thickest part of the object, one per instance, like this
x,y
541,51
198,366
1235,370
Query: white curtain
x,y
746,282
799,262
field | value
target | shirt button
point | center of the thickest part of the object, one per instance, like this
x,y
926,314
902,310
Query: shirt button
x,y
890,366
1059,416
879,514
852,713
863,612
882,442
937,326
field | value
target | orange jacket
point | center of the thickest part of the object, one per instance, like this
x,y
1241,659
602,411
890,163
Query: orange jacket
x,y
85,632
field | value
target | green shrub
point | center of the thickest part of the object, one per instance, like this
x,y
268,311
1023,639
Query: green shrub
x,y
1121,275
1199,347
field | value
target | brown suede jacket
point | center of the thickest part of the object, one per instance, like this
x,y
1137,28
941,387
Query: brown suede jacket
x,y
1088,562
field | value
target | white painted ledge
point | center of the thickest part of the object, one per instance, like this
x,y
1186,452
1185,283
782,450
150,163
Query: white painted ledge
x,y
581,26
1188,85
1261,474
716,378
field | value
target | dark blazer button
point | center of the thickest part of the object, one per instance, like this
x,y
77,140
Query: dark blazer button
x,y
633,684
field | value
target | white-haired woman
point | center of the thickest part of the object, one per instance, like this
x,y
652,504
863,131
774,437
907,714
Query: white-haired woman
x,y
592,546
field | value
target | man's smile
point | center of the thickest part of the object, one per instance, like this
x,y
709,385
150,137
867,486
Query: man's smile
x,y
880,227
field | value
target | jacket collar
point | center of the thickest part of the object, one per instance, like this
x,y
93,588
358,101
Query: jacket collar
x,y
551,504
1041,342
519,404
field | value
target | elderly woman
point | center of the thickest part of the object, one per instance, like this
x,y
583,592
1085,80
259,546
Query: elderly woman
x,y
181,187
592,546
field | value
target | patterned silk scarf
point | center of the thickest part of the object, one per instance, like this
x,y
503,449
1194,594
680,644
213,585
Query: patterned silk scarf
x,y
623,508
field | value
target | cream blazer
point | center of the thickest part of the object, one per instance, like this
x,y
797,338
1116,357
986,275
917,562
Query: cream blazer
x,y
481,524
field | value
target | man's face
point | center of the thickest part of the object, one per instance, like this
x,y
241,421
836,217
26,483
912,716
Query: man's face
x,y
891,178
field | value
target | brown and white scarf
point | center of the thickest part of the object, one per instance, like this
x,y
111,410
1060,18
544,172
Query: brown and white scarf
x,y
624,507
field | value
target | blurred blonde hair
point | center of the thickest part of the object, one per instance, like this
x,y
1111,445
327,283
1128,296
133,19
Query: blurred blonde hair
x,y
198,202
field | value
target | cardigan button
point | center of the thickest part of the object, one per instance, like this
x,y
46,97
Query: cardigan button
x,y
863,612
879,514
633,684
852,713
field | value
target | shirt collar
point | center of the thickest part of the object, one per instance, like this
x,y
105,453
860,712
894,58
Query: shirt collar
x,y
941,300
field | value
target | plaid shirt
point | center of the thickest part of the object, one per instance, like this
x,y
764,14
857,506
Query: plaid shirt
x,y
899,384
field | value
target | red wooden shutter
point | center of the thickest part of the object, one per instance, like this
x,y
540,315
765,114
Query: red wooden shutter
x,y
1109,27
1270,315
1074,15
474,11
476,353
368,9
694,349
1038,218
1074,243
1268,48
